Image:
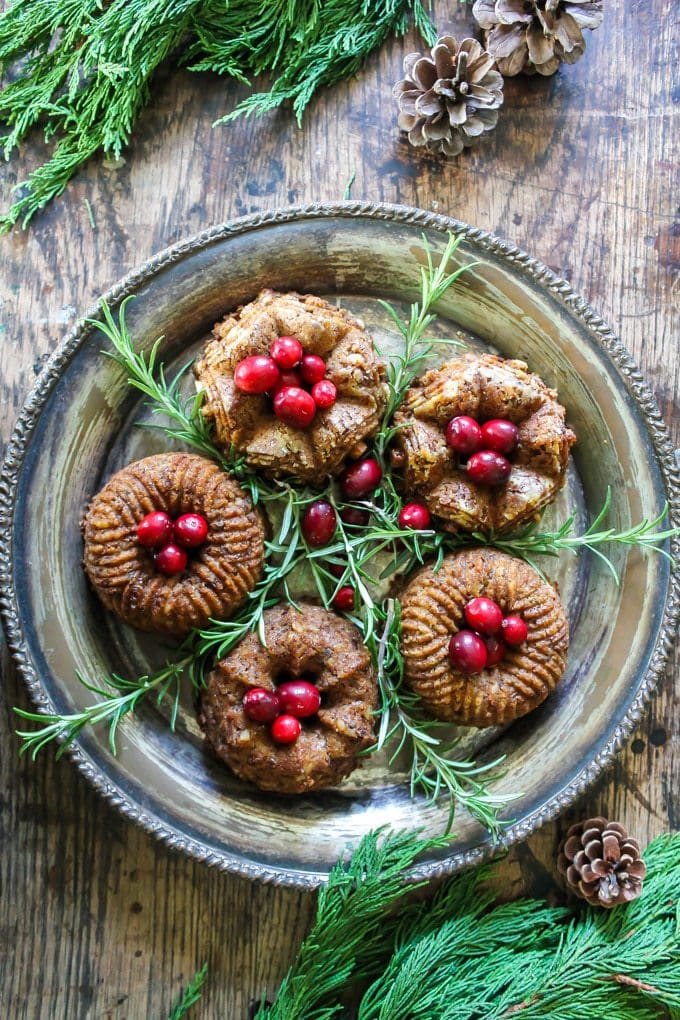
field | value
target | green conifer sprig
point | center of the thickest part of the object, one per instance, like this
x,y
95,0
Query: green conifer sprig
x,y
190,995
460,956
81,71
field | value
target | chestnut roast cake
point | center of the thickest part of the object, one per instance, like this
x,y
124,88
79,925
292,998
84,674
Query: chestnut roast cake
x,y
291,717
482,442
172,541
293,384
484,639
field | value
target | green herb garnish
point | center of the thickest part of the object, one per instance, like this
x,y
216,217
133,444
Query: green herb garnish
x,y
120,696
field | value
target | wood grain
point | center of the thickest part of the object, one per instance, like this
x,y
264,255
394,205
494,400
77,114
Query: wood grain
x,y
96,920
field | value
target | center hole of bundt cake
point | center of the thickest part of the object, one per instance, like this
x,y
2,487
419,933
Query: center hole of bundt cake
x,y
284,676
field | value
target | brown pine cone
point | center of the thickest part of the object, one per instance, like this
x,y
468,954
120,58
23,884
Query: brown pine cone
x,y
447,102
532,36
601,863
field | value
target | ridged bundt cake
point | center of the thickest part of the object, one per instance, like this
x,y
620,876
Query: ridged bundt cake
x,y
483,388
320,647
432,610
246,421
219,574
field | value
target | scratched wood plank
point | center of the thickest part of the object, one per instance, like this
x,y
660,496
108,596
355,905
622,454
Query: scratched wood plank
x,y
96,920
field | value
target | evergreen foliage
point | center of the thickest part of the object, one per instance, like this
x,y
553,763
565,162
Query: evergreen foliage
x,y
81,70
460,956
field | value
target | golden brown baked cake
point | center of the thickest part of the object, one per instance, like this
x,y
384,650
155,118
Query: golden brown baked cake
x,y
247,421
432,610
220,573
482,387
321,647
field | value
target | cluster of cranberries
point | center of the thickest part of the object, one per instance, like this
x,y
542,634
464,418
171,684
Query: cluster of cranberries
x,y
358,481
284,374
283,708
169,540
485,447
490,634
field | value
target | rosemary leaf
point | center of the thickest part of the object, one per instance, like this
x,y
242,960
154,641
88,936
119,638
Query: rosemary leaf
x,y
532,542
434,770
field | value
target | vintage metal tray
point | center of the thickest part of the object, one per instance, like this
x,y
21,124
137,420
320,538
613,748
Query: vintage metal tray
x,y
77,426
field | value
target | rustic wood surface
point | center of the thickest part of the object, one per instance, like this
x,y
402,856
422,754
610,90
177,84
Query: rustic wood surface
x,y
97,919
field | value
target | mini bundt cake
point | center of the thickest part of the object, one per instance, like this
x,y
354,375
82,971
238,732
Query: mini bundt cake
x,y
314,644
219,572
246,421
483,388
432,611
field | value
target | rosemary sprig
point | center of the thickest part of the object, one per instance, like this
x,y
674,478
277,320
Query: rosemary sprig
x,y
120,697
403,368
403,725
285,552
146,374
532,542
190,995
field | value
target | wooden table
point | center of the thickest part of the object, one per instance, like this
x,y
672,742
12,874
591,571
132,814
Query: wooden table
x,y
97,919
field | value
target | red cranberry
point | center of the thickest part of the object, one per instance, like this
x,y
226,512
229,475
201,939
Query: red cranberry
x,y
500,435
484,616
464,435
324,393
261,705
354,515
154,530
286,351
295,407
514,631
191,530
360,479
495,651
299,698
467,652
488,468
319,523
313,369
256,374
344,599
171,559
337,569
286,729
415,516
289,377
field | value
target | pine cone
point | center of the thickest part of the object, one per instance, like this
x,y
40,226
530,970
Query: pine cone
x,y
536,35
601,863
447,102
